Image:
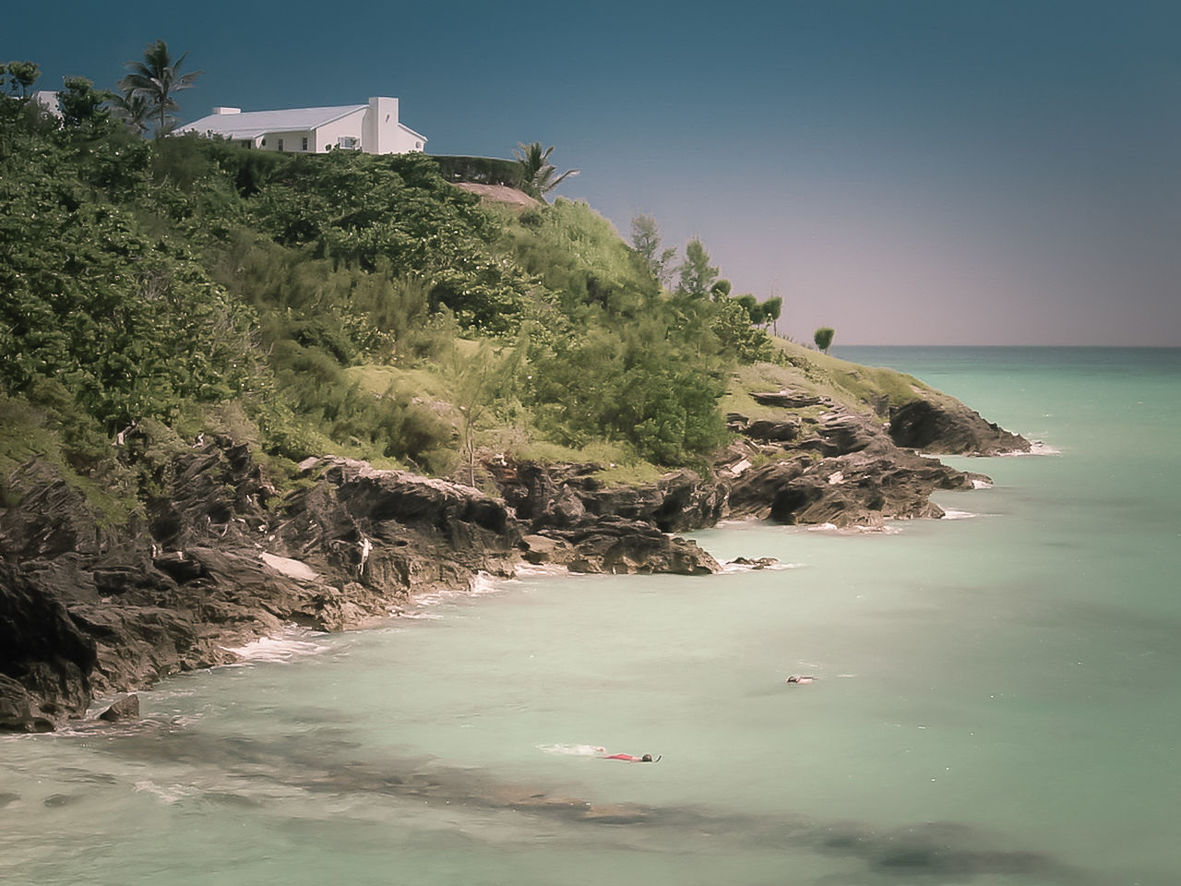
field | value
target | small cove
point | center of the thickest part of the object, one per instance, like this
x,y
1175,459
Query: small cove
x,y
996,703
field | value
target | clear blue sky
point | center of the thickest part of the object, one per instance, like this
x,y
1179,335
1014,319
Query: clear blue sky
x,y
906,171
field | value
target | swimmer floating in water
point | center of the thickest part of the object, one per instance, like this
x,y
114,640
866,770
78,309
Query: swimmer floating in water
x,y
800,679
632,758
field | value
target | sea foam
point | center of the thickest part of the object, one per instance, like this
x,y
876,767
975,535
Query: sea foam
x,y
291,644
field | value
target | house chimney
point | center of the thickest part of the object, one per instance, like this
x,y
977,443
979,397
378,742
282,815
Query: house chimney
x,y
220,111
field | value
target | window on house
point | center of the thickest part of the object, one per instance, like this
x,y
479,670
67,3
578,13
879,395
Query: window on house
x,y
280,144
418,146
264,142
349,142
305,144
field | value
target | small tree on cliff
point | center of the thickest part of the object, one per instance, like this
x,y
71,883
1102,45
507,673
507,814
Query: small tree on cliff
x,y
697,274
771,310
823,337
646,243
19,75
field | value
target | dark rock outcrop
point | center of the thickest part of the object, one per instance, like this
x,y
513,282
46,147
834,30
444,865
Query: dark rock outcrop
x,y
216,557
849,490
950,428
789,399
842,469
565,495
125,707
615,545
45,657
218,560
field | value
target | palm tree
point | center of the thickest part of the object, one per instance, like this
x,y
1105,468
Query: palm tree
x,y
133,109
156,79
537,174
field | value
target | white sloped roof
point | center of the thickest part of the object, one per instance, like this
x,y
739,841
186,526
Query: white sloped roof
x,y
417,135
251,124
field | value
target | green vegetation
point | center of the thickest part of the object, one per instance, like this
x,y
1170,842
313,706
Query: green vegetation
x,y
155,81
823,338
537,175
342,303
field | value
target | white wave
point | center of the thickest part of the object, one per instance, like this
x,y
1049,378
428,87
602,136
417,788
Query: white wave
x,y
295,643
978,483
1037,447
953,514
738,521
885,529
573,750
483,583
170,794
733,568
529,570
1040,448
824,527
425,614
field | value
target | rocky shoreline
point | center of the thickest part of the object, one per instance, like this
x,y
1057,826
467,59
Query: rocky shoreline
x,y
218,558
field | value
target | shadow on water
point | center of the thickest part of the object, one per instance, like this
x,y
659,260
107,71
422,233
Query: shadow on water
x,y
936,852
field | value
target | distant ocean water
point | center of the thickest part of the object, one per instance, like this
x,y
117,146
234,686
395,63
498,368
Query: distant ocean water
x,y
998,700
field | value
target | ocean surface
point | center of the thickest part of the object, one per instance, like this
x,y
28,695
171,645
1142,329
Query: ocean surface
x,y
998,700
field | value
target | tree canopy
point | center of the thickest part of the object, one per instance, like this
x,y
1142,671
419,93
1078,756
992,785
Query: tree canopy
x,y
823,337
156,80
153,281
538,175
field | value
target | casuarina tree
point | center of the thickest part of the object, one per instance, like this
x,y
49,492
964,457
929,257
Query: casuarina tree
x,y
157,79
697,274
646,243
823,337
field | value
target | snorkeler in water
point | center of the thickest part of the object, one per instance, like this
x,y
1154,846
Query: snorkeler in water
x,y
632,758
800,679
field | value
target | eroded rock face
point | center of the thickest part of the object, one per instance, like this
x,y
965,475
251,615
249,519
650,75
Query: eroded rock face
x,y
950,429
566,495
615,545
217,559
220,561
845,491
45,659
842,469
85,611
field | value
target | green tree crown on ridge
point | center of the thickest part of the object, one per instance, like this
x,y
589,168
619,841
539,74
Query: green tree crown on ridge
x,y
157,79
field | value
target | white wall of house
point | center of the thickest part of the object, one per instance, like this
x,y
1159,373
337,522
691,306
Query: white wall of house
x,y
384,134
373,128
329,135
292,142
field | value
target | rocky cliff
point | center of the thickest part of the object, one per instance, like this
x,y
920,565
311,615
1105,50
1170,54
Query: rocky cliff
x,y
217,557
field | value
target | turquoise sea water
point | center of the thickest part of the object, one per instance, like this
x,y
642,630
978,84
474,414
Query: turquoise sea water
x,y
998,700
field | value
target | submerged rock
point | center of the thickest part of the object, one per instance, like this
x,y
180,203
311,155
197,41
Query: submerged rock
x,y
125,707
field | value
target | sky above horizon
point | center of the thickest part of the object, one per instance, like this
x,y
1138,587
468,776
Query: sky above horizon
x,y
909,172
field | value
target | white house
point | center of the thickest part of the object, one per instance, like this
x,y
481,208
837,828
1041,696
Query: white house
x,y
373,128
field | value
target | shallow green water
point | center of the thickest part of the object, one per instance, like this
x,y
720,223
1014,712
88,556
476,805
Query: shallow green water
x,y
998,700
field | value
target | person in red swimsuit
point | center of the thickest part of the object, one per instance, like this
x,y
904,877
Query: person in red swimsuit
x,y
631,758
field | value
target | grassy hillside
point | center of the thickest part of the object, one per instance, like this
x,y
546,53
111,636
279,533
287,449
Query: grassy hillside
x,y
345,303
